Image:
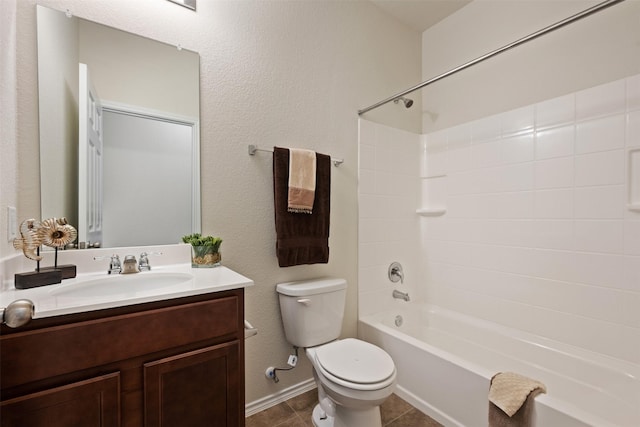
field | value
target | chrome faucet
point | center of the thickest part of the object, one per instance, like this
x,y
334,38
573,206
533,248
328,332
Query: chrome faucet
x,y
144,260
395,272
130,265
115,267
401,295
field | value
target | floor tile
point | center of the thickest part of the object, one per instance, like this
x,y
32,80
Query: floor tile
x,y
296,412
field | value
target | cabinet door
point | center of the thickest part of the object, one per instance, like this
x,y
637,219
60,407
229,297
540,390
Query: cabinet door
x,y
93,402
198,388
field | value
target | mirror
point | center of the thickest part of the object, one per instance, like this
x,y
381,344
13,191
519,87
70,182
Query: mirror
x,y
119,133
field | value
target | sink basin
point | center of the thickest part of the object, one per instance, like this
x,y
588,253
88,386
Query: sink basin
x,y
122,284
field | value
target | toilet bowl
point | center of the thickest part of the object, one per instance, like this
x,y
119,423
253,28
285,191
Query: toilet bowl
x,y
357,377
353,377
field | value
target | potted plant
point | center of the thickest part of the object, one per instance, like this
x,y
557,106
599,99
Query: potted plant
x,y
205,250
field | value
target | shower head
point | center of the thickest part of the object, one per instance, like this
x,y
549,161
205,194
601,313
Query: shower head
x,y
407,102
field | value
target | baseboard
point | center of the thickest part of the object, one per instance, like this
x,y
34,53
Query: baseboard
x,y
276,398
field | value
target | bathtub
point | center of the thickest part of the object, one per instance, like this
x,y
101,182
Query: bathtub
x,y
445,361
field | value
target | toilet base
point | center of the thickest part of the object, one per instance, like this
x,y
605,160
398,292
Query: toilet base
x,y
347,417
320,418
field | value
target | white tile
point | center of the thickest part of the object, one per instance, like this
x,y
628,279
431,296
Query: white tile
x,y
368,206
459,136
518,177
367,253
604,168
372,278
486,180
367,157
553,234
633,176
486,154
459,159
518,149
632,273
632,238
633,129
514,205
463,206
511,233
605,202
555,111
600,134
599,269
436,158
368,230
554,173
368,132
384,159
551,264
434,192
601,100
385,183
603,236
518,120
553,203
555,142
367,182
633,92
386,137
485,129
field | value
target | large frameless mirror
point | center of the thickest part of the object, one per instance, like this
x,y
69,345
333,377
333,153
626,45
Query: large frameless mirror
x,y
119,133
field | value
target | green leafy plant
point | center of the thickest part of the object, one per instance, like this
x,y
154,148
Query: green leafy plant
x,y
203,245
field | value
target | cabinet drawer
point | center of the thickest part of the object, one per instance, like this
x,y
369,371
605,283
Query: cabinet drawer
x,y
42,353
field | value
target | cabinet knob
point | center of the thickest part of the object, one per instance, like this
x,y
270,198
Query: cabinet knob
x,y
18,313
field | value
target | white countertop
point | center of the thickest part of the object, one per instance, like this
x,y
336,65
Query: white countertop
x,y
49,302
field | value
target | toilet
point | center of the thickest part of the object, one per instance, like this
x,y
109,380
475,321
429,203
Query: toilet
x,y
353,377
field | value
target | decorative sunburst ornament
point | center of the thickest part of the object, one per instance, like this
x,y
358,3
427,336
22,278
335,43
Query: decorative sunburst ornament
x,y
57,233
30,240
52,232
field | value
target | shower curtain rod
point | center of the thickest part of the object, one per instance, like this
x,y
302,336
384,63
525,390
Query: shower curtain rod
x,y
598,7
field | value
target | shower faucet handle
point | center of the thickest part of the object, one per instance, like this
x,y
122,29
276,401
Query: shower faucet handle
x,y
395,272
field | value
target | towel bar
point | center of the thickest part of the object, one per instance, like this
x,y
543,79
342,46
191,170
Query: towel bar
x,y
253,148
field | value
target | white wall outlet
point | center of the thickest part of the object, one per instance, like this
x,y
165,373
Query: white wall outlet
x,y
12,223
293,360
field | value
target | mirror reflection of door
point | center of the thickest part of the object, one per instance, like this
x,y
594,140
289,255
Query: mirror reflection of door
x,y
146,158
90,152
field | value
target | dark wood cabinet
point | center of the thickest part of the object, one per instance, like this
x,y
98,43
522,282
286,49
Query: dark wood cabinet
x,y
90,403
172,363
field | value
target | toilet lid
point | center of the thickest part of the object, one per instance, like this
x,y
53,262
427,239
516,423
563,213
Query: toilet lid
x,y
355,361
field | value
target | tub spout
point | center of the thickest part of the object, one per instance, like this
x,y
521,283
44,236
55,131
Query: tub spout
x,y
401,295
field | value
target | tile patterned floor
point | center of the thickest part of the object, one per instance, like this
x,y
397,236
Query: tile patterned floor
x,y
296,412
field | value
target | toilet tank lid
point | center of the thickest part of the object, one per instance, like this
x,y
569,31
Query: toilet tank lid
x,y
311,287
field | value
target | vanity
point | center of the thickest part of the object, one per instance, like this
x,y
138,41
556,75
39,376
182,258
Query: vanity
x,y
95,356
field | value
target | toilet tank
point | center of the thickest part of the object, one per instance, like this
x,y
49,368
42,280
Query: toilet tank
x,y
312,310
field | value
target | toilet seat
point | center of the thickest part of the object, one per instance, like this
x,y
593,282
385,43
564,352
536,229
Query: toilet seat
x,y
355,364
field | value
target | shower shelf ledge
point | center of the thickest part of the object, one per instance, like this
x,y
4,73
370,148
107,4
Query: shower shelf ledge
x,y
431,212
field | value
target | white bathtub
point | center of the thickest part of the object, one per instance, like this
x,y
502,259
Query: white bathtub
x,y
446,359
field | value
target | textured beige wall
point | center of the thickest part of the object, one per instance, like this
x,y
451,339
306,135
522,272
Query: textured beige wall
x,y
289,73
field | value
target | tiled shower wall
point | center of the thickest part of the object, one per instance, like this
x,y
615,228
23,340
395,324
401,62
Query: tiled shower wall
x,y
536,231
388,226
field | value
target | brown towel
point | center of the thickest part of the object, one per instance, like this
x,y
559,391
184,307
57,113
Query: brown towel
x,y
301,239
511,400
302,180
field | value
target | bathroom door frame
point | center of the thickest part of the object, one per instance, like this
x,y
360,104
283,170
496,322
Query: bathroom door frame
x,y
193,123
